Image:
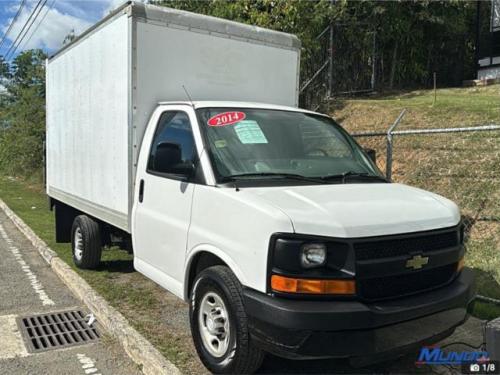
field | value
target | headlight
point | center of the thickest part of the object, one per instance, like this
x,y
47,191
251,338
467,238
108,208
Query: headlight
x,y
298,264
313,255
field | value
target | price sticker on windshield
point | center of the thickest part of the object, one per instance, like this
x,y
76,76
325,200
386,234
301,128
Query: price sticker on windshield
x,y
226,118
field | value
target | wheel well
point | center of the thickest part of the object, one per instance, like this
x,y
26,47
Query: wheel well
x,y
201,261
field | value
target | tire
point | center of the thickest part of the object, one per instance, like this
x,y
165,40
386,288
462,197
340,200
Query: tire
x,y
241,356
86,242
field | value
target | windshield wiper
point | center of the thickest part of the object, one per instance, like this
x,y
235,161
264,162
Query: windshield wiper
x,y
290,176
360,175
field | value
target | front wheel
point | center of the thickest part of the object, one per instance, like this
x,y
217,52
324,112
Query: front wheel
x,y
219,324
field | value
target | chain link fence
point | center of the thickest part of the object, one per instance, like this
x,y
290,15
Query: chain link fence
x,y
462,164
342,62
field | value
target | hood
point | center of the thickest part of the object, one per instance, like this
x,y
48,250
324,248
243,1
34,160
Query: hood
x,y
360,210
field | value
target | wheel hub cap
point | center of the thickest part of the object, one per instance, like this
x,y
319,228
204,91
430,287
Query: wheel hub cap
x,y
78,243
213,322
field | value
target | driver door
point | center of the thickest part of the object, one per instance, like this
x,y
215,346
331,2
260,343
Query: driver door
x,y
165,186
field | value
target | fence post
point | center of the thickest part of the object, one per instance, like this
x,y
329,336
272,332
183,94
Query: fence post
x,y
374,60
435,94
330,60
388,163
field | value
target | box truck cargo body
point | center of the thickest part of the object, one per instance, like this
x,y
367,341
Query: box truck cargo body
x,y
102,89
178,137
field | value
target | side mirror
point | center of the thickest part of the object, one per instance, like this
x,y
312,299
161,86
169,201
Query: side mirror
x,y
372,154
168,159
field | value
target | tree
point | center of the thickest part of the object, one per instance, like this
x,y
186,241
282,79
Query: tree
x,y
22,122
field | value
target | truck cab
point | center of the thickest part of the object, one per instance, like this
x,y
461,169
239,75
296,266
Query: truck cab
x,y
283,235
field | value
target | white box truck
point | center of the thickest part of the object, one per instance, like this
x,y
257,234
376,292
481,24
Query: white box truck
x,y
178,137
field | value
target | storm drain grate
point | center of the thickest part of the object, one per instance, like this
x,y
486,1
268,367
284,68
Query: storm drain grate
x,y
57,330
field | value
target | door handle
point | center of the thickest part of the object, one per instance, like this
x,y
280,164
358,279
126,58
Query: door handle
x,y
141,191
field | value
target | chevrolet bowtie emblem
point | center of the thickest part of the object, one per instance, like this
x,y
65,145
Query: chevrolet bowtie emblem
x,y
417,262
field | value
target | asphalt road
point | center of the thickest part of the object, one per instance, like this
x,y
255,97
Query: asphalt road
x,y
27,287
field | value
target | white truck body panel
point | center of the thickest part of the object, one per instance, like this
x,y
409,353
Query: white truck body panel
x,y
85,127
210,68
103,88
360,210
237,225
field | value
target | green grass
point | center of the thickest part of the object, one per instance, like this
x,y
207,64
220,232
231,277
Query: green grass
x,y
481,101
453,107
486,311
484,258
31,204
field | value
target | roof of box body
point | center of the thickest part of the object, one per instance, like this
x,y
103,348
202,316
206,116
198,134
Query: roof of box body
x,y
213,25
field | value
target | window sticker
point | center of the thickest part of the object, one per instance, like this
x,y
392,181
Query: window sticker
x,y
226,118
249,132
220,143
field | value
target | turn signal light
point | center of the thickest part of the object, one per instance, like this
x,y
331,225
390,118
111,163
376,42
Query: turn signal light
x,y
309,286
460,265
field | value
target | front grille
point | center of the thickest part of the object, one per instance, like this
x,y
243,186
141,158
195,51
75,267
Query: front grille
x,y
404,284
402,246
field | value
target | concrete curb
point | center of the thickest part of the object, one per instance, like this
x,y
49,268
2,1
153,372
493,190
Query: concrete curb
x,y
135,345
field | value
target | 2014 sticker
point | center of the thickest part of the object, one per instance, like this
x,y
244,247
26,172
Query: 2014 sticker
x,y
226,118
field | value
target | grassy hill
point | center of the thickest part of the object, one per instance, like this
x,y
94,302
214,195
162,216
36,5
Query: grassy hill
x,y
453,108
464,167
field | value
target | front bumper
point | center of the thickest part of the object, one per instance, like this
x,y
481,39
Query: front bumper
x,y
350,329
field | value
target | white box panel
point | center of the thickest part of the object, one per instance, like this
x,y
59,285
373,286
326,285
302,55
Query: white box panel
x,y
211,67
87,119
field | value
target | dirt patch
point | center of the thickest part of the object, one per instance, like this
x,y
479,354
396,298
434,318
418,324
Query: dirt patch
x,y
160,316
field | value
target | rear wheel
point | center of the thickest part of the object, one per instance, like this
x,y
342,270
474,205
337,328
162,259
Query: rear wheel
x,y
219,324
86,242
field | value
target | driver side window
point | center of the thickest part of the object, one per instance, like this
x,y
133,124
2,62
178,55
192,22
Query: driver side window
x,y
173,150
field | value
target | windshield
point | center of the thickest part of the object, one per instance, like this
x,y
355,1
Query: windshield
x,y
262,143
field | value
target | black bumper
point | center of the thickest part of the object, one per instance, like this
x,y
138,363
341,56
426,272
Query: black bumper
x,y
350,329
